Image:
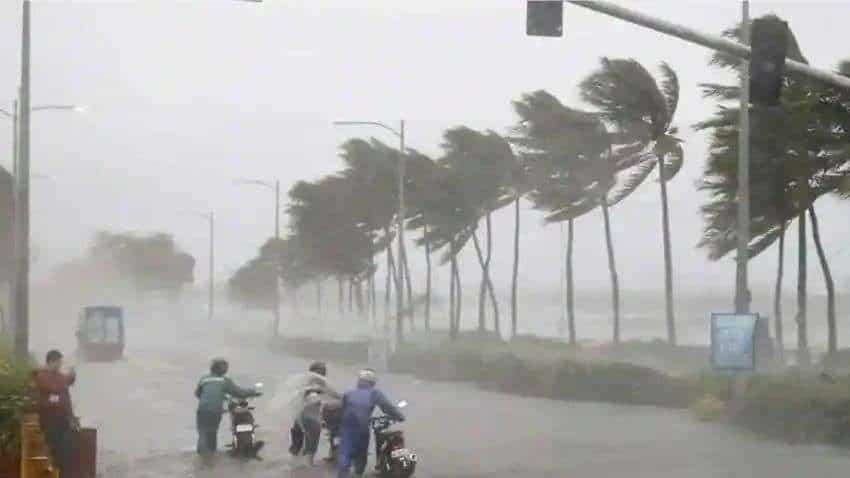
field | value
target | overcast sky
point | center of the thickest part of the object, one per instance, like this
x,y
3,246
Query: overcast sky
x,y
184,97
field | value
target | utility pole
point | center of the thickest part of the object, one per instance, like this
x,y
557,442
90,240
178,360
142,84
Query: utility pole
x,y
21,218
399,325
742,290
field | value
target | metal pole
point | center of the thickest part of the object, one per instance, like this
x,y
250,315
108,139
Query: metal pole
x,y
14,143
22,198
399,331
279,257
742,301
710,41
212,265
13,313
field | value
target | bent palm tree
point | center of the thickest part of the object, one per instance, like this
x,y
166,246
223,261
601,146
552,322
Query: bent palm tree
x,y
641,113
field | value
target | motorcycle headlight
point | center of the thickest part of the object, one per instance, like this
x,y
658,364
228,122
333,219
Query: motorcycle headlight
x,y
413,458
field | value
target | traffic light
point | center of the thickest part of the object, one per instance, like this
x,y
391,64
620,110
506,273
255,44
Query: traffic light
x,y
768,44
545,18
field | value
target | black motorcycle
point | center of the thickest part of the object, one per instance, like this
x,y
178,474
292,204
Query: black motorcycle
x,y
243,429
393,458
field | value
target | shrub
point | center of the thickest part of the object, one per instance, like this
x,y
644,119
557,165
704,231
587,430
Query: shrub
x,y
14,397
709,408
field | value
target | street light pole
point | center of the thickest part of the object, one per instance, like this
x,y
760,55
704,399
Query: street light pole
x,y
22,200
742,292
402,254
212,266
399,331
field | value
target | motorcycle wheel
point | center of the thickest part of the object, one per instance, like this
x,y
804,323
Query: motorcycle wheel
x,y
395,469
244,445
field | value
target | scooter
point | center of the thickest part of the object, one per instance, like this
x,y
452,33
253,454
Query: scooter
x,y
243,427
393,459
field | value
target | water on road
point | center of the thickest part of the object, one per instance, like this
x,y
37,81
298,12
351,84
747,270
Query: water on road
x,y
143,408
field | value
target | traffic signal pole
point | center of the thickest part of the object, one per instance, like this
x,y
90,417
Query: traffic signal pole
x,y
713,42
742,288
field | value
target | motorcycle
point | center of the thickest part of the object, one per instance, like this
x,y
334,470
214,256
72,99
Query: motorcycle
x,y
243,428
393,459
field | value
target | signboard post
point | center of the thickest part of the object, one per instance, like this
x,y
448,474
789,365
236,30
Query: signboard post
x,y
733,345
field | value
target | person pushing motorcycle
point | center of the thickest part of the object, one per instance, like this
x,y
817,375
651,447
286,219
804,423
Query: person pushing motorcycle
x,y
307,428
211,392
357,408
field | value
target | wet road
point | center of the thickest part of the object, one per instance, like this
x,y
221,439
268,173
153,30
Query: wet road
x,y
143,408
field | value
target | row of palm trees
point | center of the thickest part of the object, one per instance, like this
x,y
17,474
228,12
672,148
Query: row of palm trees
x,y
569,163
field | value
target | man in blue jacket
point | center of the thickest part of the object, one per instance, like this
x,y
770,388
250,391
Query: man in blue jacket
x,y
212,391
357,408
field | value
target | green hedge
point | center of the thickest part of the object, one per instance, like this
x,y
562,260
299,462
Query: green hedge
x,y
792,407
796,408
564,379
327,350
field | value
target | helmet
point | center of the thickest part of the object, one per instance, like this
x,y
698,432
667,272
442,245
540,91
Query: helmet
x,y
319,368
219,367
368,375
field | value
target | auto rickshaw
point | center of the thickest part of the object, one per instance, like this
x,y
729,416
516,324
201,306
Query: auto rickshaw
x,y
100,334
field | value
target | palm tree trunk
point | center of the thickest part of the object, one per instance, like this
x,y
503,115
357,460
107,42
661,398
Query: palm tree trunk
x,y
515,276
482,289
777,297
668,256
427,279
612,268
830,288
452,333
410,307
350,295
571,311
340,302
361,308
497,325
319,297
803,357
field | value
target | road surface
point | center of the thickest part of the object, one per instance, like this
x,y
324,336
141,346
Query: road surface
x,y
143,408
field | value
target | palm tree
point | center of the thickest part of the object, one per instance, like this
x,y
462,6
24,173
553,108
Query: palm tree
x,y
641,113
798,155
484,161
447,224
421,174
566,156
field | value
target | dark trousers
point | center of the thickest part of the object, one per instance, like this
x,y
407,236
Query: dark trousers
x,y
354,450
207,423
58,436
304,436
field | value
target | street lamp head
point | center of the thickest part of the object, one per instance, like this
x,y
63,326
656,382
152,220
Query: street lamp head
x,y
80,108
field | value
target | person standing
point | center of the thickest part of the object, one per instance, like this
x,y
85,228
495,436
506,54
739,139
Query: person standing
x,y
211,392
55,412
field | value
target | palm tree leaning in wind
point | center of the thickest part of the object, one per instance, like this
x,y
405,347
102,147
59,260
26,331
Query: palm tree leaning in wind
x,y
565,154
641,112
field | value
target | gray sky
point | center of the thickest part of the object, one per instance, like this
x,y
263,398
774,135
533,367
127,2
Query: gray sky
x,y
185,96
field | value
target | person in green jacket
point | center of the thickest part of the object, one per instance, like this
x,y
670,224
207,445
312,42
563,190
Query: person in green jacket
x,y
212,391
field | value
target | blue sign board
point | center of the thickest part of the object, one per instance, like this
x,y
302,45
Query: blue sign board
x,y
733,341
